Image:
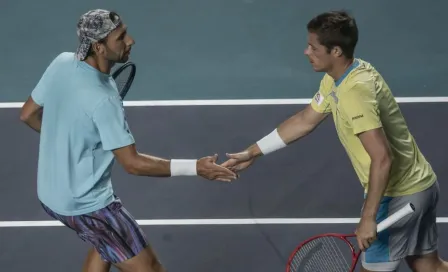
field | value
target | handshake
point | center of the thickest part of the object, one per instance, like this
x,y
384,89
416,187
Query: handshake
x,y
208,168
227,171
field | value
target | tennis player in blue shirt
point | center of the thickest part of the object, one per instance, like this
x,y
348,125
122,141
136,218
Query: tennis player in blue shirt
x,y
79,114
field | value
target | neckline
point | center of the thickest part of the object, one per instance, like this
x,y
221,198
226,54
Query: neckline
x,y
86,66
349,69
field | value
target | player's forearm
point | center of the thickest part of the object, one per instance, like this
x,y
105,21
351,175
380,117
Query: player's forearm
x,y
152,166
295,127
378,180
289,131
146,165
140,164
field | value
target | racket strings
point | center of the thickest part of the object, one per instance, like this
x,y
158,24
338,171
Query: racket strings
x,y
341,255
122,79
321,255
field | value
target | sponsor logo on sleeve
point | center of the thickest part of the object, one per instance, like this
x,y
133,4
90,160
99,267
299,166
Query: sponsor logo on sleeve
x,y
319,98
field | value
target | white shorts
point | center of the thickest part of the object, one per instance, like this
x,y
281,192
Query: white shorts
x,y
414,235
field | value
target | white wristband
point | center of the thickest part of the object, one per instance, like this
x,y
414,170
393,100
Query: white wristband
x,y
183,167
271,143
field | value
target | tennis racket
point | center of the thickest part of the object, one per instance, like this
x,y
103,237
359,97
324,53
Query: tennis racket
x,y
124,76
333,252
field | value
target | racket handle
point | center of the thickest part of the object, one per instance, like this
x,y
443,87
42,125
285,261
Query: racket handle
x,y
407,209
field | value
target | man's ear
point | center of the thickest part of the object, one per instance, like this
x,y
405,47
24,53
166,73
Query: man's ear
x,y
336,51
98,48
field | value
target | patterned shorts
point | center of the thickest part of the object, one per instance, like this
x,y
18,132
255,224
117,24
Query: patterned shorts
x,y
112,231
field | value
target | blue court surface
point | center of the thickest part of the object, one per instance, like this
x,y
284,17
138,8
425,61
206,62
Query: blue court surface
x,y
213,77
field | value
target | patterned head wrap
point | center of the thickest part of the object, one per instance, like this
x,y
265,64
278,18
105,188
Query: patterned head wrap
x,y
94,26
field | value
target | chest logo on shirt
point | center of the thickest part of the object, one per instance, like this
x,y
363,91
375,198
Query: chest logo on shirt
x,y
358,117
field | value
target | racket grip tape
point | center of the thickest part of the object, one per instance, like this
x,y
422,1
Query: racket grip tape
x,y
398,215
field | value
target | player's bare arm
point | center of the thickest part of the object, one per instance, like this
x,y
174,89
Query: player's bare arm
x,y
31,114
377,146
140,164
297,126
300,124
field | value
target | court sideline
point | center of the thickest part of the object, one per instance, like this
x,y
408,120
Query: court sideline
x,y
277,188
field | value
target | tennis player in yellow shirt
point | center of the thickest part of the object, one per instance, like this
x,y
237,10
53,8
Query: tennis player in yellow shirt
x,y
374,133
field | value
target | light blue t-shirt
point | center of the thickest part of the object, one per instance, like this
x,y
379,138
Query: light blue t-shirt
x,y
83,121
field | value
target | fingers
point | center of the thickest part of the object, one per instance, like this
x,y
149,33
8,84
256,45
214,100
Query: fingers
x,y
226,171
238,167
360,244
223,173
241,156
238,161
229,163
234,165
232,155
223,169
365,242
224,179
366,232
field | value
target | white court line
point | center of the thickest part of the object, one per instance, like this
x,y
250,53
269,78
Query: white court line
x,y
235,102
187,222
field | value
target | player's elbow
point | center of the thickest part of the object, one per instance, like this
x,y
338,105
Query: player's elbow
x,y
132,167
386,163
310,119
30,111
128,158
383,160
25,117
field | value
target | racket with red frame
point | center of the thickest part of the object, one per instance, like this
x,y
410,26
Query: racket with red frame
x,y
333,252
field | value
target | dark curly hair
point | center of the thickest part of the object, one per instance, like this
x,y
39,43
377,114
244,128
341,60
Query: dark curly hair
x,y
335,28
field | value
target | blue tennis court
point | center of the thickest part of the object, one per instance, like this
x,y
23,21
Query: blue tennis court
x,y
213,77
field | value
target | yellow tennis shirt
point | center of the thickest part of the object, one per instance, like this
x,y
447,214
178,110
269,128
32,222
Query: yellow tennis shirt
x,y
360,101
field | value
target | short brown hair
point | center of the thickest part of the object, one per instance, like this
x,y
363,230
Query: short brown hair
x,y
335,28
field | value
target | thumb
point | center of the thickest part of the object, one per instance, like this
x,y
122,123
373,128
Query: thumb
x,y
228,163
215,158
233,155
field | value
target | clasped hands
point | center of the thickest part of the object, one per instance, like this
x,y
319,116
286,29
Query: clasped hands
x,y
227,171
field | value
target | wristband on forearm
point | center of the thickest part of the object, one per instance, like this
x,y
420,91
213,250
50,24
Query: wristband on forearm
x,y
271,142
183,167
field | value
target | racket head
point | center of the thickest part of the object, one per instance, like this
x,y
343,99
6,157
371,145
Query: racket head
x,y
321,248
325,252
124,76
